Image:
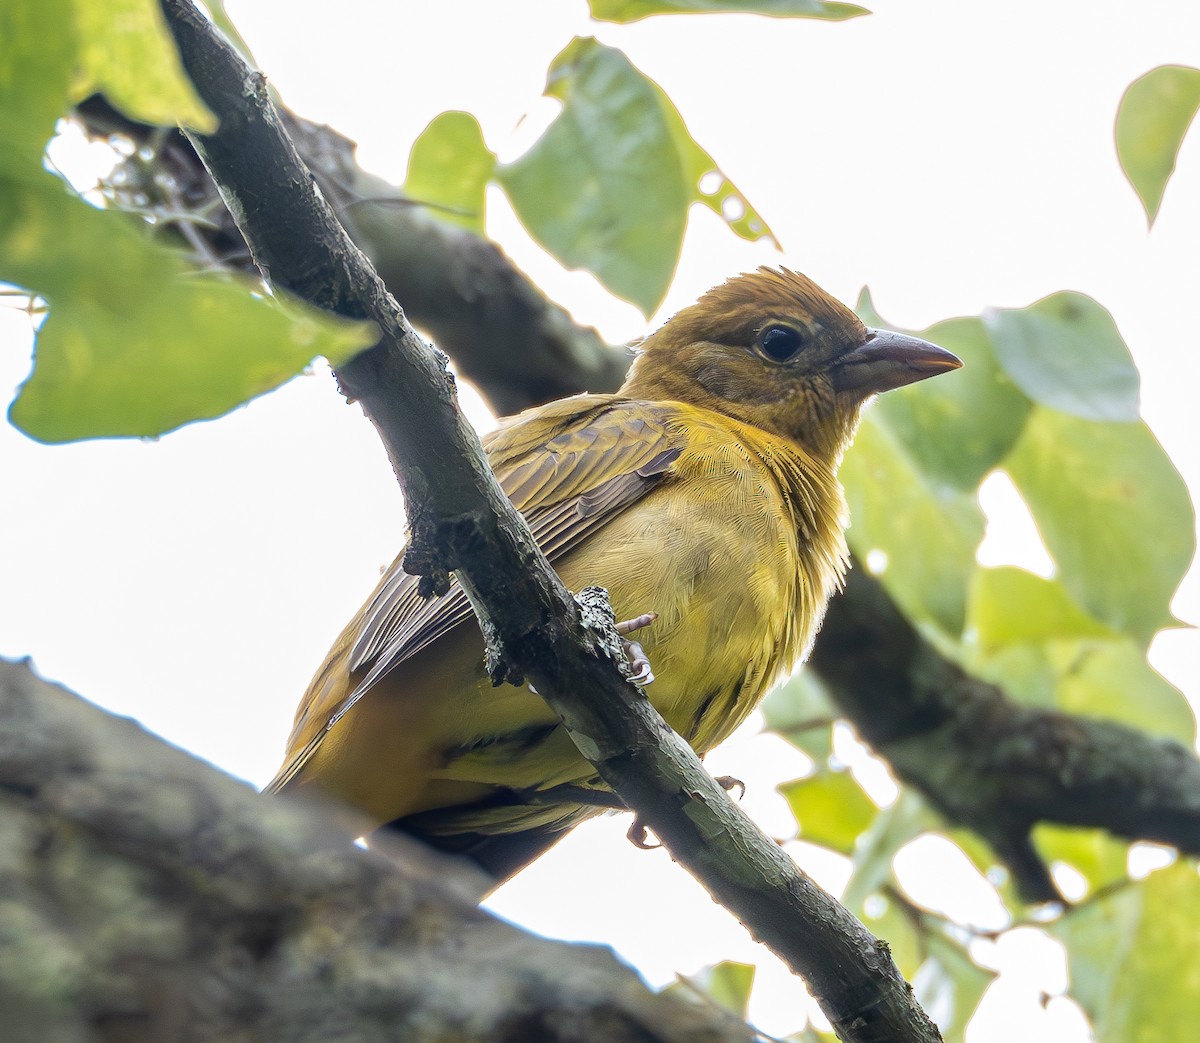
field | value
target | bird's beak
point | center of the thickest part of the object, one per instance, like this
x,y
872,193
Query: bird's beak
x,y
887,360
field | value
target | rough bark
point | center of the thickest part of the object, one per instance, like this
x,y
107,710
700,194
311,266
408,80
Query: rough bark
x,y
144,896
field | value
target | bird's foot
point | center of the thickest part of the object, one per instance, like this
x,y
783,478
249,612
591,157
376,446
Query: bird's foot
x,y
637,835
728,783
639,663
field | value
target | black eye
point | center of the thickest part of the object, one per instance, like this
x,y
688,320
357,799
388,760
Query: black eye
x,y
780,343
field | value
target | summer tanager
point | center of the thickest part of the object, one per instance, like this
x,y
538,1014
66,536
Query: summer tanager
x,y
704,492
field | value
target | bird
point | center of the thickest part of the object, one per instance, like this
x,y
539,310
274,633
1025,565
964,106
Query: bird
x,y
702,495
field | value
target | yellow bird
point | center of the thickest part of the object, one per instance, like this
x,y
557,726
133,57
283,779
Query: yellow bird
x,y
704,491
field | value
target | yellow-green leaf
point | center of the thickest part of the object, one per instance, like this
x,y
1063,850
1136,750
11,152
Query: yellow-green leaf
x,y
449,168
1093,853
1009,606
602,188
801,712
634,10
1132,958
1113,512
135,342
127,53
958,427
1152,119
727,983
37,54
920,532
830,808
949,986
1066,352
607,187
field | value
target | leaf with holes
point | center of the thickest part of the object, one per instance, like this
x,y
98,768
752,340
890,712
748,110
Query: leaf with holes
x,y
608,186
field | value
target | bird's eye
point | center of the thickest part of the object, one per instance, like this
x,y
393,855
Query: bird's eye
x,y
780,343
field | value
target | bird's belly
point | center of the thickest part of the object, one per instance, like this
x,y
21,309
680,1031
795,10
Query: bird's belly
x,y
723,587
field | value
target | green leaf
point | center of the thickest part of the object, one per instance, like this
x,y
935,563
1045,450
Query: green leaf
x,y
1112,679
1008,606
1093,853
722,197
928,531
37,55
634,10
449,168
1152,119
603,188
1023,671
608,186
801,712
1132,958
727,983
1065,352
959,427
949,985
135,343
127,52
1113,512
830,808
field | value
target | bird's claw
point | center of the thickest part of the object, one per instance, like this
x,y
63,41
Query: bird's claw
x,y
639,663
637,835
728,783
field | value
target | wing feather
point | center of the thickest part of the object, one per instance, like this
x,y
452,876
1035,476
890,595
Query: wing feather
x,y
568,467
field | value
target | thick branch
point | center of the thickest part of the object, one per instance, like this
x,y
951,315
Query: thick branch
x,y
148,897
988,762
462,521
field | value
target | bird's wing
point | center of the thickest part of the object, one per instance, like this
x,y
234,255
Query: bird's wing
x,y
568,467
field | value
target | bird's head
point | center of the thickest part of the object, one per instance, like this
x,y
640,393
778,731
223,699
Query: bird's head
x,y
772,349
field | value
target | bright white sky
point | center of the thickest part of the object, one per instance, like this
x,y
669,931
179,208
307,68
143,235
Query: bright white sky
x,y
951,155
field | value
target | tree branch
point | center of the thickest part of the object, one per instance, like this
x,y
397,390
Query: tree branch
x,y
148,897
462,521
987,762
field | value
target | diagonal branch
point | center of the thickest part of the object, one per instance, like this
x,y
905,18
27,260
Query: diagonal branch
x,y
462,521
